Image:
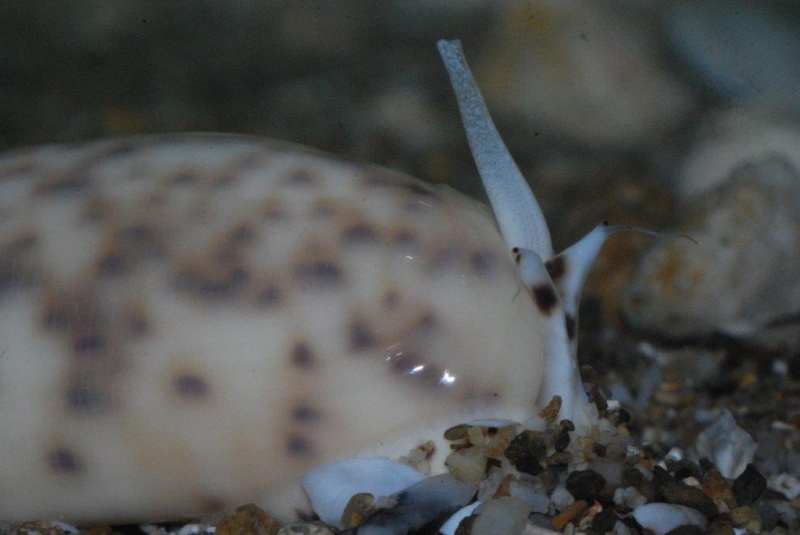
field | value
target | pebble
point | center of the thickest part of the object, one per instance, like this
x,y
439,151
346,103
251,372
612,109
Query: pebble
x,y
747,518
718,489
585,485
726,139
738,275
535,495
726,445
748,486
676,493
248,519
786,484
661,518
433,499
628,498
579,70
468,464
561,498
610,470
568,514
501,516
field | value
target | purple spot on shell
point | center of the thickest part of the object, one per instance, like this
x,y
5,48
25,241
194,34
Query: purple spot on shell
x,y
298,446
64,460
191,386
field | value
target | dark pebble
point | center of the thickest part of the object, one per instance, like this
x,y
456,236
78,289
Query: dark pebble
x,y
562,440
683,469
722,524
677,493
604,521
529,465
526,451
585,485
748,486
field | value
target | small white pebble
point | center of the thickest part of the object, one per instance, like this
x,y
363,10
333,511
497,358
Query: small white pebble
x,y
633,454
537,499
629,497
691,481
786,484
467,464
727,445
661,518
501,516
675,454
561,498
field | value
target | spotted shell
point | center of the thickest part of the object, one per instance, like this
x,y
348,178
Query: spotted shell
x,y
188,323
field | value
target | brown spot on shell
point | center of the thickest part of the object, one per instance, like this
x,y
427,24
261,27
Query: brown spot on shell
x,y
89,342
135,320
401,185
300,178
304,413
211,278
77,179
301,356
403,236
391,298
25,167
241,234
545,298
67,184
425,322
191,386
316,268
482,262
128,244
268,295
83,398
446,257
358,232
96,210
184,177
556,267
120,149
69,309
64,460
273,209
360,335
223,180
298,445
18,262
324,207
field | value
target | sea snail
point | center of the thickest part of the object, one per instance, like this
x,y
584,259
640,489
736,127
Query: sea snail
x,y
192,322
